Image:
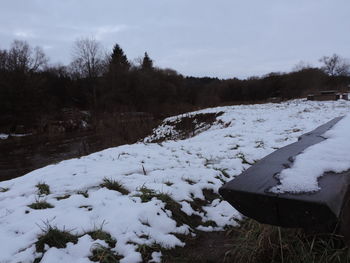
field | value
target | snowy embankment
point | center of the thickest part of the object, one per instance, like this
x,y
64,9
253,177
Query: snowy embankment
x,y
144,196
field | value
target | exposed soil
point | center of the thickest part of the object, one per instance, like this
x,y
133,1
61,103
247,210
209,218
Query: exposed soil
x,y
208,247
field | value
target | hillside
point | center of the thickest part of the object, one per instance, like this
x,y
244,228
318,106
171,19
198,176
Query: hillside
x,y
135,200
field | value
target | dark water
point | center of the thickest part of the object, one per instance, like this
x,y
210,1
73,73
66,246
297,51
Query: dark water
x,y
20,155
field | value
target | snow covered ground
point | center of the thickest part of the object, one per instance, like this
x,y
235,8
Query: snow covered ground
x,y
161,190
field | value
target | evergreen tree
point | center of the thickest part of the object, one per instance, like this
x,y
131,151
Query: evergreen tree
x,y
116,82
118,60
147,63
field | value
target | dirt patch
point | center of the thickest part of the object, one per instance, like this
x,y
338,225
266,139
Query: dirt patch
x,y
186,126
253,242
204,247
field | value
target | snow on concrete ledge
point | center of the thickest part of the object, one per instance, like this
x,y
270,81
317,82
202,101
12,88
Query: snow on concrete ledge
x,y
330,155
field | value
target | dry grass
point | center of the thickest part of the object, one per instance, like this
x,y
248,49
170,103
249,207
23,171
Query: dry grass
x,y
256,242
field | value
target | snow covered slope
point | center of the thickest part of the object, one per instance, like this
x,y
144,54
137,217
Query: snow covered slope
x,y
148,194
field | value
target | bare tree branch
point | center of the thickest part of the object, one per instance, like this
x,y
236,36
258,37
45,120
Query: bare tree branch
x,y
335,65
87,58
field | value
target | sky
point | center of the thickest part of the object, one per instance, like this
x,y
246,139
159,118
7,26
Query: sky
x,y
216,38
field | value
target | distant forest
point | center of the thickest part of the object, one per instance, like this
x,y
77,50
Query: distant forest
x,y
32,91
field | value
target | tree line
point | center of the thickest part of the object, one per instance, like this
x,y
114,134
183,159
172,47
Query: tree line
x,y
32,90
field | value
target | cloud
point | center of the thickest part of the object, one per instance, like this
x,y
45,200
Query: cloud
x,y
199,37
102,31
23,33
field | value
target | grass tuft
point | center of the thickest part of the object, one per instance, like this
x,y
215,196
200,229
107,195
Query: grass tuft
x,y
83,193
62,197
209,223
259,144
43,189
87,207
103,254
168,183
40,205
256,242
102,235
145,194
189,181
241,156
114,185
53,237
147,250
178,215
3,189
235,147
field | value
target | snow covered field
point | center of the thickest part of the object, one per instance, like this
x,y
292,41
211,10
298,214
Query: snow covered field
x,y
161,190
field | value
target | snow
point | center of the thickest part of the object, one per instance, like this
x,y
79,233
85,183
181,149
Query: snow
x,y
73,252
3,136
181,169
331,155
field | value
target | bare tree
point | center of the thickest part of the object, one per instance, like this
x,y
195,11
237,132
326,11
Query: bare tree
x,y
335,65
88,58
22,57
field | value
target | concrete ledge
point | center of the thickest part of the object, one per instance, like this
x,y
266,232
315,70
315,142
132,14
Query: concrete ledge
x,y
325,210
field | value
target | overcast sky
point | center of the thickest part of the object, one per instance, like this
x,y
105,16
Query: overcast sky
x,y
221,38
